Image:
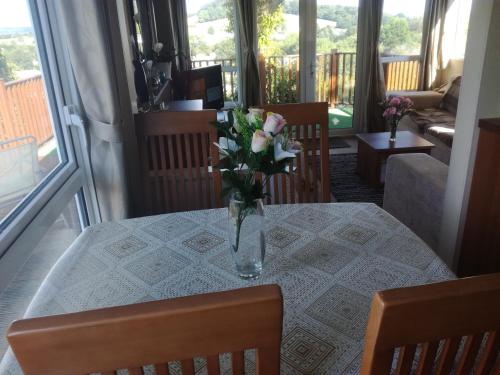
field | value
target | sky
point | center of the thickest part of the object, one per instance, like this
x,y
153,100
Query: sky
x,y
14,13
412,8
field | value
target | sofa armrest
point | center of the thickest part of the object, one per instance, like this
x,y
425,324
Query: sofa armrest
x,y
414,191
421,99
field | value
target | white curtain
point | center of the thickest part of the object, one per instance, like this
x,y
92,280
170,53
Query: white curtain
x,y
96,56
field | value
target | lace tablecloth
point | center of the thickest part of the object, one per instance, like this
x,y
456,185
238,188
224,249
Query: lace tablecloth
x,y
329,259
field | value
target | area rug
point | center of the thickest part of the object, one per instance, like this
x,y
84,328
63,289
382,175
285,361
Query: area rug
x,y
347,186
336,142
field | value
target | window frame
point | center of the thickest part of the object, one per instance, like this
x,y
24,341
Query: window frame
x,y
28,222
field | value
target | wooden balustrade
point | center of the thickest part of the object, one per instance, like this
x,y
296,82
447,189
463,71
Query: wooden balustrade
x,y
335,76
401,72
24,111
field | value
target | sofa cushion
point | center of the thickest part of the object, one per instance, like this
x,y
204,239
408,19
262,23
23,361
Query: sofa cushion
x,y
432,116
443,132
450,99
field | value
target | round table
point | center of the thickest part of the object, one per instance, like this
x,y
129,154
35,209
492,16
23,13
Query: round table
x,y
329,259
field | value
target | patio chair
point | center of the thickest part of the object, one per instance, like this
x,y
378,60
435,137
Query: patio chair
x,y
442,328
176,158
310,182
156,333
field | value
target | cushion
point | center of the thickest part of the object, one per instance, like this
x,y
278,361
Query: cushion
x,y
432,116
443,132
450,99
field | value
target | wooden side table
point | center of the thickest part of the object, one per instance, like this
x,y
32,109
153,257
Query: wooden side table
x,y
375,148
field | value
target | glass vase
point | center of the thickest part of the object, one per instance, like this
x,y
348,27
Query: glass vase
x,y
394,128
246,236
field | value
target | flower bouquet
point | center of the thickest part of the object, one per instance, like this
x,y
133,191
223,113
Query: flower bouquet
x,y
250,149
395,107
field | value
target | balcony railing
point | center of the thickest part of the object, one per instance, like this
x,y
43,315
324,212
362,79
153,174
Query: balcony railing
x,y
335,76
401,72
23,110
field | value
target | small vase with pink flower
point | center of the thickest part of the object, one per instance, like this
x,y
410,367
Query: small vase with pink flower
x,y
395,107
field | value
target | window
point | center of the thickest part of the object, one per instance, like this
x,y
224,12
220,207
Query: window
x,y
336,42
278,43
41,158
456,28
212,40
30,146
62,232
400,43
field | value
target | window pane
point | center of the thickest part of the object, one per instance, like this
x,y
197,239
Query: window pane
x,y
17,295
336,41
278,42
400,42
28,147
212,41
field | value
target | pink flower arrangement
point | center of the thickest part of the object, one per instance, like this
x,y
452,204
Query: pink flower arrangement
x,y
395,107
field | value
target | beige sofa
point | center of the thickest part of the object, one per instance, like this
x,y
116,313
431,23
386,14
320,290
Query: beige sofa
x,y
434,117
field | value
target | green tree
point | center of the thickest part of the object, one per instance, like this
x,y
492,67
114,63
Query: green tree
x,y
21,56
269,18
6,73
212,11
395,34
198,46
224,49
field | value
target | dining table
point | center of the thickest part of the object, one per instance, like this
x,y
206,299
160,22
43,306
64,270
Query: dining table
x,y
328,258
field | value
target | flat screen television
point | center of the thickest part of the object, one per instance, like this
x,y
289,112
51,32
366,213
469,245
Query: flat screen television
x,y
203,83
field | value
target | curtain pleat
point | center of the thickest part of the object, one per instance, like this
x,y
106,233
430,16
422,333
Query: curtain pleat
x,y
370,87
95,48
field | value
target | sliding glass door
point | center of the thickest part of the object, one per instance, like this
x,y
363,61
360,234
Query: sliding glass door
x,y
278,29
336,40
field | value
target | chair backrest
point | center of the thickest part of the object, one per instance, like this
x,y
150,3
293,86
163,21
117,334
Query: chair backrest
x,y
437,328
176,158
156,333
310,182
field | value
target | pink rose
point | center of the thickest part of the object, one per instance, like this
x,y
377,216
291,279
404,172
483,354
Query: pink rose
x,y
395,101
407,102
260,141
389,112
274,123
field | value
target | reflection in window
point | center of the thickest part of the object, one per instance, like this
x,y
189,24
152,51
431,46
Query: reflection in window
x,y
28,148
17,295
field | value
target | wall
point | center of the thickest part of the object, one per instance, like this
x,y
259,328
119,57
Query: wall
x,y
479,98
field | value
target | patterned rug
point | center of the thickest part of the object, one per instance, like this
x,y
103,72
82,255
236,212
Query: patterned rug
x,y
347,186
336,142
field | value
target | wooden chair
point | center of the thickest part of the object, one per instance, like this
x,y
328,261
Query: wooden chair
x,y
308,123
445,323
155,333
176,158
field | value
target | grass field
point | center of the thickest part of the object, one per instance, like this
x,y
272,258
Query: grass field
x,y
340,117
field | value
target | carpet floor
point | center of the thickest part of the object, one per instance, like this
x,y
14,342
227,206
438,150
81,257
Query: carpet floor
x,y
347,186
336,142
